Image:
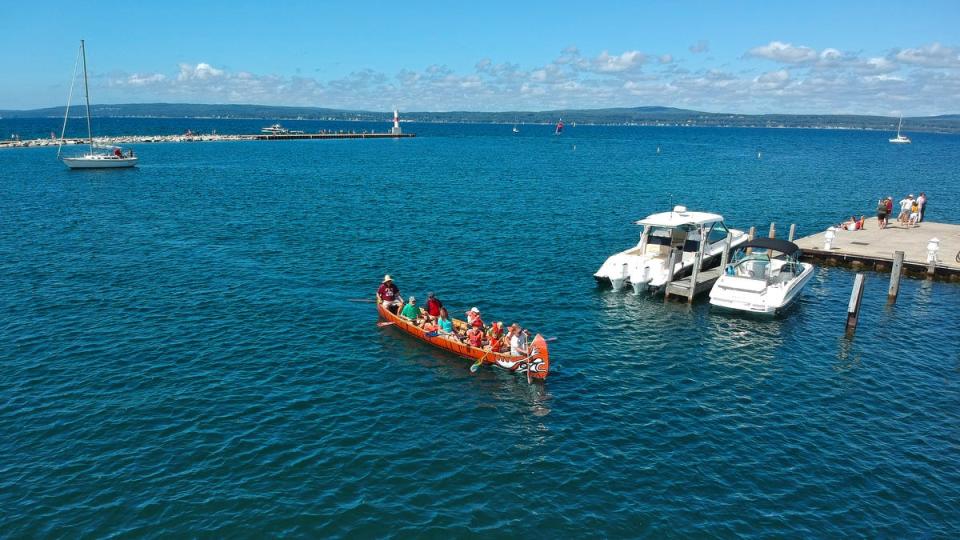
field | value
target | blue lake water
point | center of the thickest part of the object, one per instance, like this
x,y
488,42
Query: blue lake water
x,y
179,354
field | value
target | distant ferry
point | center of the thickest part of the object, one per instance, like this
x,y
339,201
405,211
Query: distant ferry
x,y
275,129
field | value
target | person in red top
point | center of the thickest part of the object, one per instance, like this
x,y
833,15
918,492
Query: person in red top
x,y
473,318
495,336
475,337
433,305
388,294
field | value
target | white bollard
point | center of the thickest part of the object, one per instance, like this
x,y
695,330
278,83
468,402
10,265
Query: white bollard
x,y
932,248
828,238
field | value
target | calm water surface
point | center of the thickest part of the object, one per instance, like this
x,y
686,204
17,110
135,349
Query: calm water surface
x,y
179,355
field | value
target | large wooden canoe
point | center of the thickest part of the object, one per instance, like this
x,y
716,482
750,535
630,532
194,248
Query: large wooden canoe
x,y
536,365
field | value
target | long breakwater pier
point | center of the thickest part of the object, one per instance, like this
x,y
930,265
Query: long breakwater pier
x,y
192,137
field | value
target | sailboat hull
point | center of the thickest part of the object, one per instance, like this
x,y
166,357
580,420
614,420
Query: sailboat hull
x,y
99,162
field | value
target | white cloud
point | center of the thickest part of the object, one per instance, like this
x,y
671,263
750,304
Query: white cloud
x,y
201,71
933,56
784,52
605,63
922,80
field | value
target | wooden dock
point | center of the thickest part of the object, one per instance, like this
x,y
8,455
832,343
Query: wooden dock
x,y
873,248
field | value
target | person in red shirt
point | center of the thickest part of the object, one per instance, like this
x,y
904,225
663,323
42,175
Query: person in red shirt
x,y
475,337
388,294
433,305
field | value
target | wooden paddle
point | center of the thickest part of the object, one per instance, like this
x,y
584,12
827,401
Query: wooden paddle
x,y
478,363
382,324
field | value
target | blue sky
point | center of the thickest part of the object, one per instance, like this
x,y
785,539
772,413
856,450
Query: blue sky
x,y
877,57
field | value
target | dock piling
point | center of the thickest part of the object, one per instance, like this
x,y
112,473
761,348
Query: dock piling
x,y
750,235
895,274
853,308
773,230
793,232
725,256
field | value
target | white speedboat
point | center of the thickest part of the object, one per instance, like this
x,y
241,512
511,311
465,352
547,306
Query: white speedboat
x,y
645,266
759,283
900,139
92,159
275,129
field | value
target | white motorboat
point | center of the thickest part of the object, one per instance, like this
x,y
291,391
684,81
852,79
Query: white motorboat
x,y
92,159
275,129
759,283
900,139
645,266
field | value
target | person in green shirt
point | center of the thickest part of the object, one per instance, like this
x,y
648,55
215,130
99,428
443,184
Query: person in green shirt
x,y
411,311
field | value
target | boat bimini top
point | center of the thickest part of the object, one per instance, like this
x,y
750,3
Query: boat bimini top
x,y
773,244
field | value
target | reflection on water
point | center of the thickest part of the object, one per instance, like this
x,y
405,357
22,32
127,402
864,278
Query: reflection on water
x,y
848,358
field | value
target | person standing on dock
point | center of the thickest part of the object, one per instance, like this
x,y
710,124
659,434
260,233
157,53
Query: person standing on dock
x,y
922,201
905,205
882,213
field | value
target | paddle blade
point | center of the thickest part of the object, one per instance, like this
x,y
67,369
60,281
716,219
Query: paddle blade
x,y
382,324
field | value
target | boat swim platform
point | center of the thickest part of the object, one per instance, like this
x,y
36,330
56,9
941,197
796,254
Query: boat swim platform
x,y
681,287
872,248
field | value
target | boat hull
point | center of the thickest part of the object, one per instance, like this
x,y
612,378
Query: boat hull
x,y
536,365
100,162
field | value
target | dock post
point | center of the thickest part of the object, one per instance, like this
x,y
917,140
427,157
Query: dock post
x,y
753,231
671,263
773,230
853,308
725,256
793,232
895,274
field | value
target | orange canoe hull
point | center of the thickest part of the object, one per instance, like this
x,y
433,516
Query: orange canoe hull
x,y
536,365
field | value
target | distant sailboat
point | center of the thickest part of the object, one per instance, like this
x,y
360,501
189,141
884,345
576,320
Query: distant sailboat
x,y
559,128
515,128
900,139
91,160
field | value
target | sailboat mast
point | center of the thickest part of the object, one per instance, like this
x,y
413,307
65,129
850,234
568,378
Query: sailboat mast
x,y
86,92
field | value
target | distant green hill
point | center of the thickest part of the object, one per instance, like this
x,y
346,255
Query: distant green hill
x,y
650,116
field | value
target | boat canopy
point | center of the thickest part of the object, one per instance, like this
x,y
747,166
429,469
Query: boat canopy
x,y
772,244
677,219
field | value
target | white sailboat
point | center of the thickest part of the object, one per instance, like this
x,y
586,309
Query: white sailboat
x,y
92,159
900,139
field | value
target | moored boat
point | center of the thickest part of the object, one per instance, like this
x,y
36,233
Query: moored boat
x,y
536,364
760,283
646,265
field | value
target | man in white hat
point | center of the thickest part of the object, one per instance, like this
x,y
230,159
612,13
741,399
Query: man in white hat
x,y
389,295
473,318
